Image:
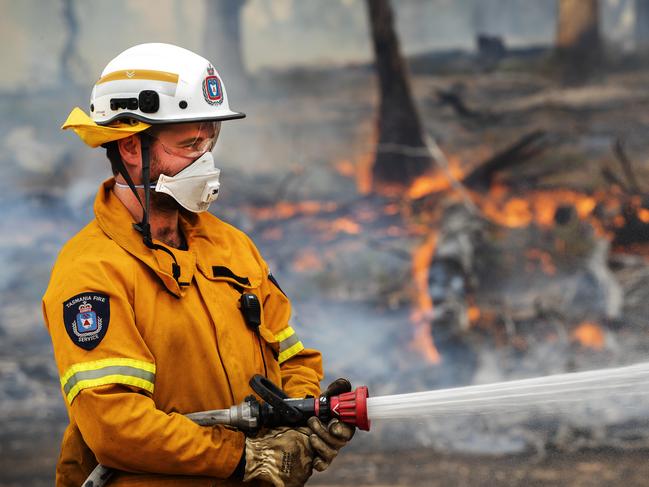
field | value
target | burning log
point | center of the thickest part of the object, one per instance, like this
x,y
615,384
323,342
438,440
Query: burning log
x,y
631,224
504,272
635,226
452,271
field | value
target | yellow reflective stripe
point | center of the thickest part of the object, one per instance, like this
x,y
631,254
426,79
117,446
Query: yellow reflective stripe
x,y
148,74
107,362
288,343
107,371
109,379
289,352
284,334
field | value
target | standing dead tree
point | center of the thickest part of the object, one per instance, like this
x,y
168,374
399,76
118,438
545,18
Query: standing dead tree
x,y
399,126
578,43
222,40
70,60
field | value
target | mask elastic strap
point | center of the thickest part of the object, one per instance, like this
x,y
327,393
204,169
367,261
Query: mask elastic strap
x,y
121,169
139,186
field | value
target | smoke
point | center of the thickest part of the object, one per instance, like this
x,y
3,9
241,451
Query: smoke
x,y
310,104
31,154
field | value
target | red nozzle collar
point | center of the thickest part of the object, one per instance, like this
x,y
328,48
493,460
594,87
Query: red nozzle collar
x,y
351,407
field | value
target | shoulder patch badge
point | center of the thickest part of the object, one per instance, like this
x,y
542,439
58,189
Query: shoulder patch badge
x,y
86,318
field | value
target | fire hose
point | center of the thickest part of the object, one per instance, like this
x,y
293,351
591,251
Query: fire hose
x,y
277,409
540,394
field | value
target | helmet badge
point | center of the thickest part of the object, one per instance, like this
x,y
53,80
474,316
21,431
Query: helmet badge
x,y
212,91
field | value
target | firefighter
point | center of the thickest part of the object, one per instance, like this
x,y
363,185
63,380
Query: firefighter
x,y
143,304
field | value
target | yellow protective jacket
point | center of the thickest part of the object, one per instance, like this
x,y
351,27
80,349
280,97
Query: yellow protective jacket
x,y
137,348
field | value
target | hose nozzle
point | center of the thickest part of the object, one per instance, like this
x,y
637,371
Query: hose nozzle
x,y
351,407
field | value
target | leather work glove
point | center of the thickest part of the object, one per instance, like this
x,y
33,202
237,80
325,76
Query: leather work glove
x,y
327,440
283,457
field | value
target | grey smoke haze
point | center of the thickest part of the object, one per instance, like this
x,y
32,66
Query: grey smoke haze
x,y
50,177
276,33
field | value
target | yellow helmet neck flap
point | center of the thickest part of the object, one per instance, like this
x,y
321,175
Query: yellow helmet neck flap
x,y
95,135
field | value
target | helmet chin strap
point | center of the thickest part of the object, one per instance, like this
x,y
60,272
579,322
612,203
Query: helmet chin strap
x,y
144,226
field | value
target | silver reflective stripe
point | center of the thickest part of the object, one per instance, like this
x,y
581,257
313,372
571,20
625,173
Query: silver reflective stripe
x,y
106,371
288,342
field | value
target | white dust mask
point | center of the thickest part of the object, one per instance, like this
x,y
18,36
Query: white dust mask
x,y
195,187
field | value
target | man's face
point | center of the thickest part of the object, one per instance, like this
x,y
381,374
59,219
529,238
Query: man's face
x,y
175,147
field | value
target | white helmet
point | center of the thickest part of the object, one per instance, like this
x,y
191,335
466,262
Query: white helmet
x,y
160,83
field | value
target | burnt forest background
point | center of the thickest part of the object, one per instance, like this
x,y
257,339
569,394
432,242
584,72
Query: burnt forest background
x,y
451,193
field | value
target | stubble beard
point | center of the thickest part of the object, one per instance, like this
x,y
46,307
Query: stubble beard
x,y
161,203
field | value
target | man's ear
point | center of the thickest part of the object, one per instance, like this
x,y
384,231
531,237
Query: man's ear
x,y
130,151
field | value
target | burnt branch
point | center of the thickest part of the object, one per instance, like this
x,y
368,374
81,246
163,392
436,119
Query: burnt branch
x,y
612,178
455,101
527,147
627,168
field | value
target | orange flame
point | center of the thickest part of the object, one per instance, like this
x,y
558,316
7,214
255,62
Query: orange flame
x,y
423,339
474,314
391,209
434,183
643,215
345,225
345,168
308,261
284,210
275,233
537,207
589,335
364,164
423,343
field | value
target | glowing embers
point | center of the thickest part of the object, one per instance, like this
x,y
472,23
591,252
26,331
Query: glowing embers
x,y
285,209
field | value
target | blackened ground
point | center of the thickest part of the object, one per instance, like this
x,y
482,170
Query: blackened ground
x,y
28,460
591,468
28,453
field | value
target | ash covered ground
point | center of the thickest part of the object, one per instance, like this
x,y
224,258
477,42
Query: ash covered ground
x,y
348,267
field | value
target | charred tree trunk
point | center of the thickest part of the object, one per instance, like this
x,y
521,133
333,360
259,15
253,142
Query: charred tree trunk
x,y
578,42
223,43
399,126
642,24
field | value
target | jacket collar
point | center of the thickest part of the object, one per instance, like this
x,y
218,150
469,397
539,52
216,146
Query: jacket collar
x,y
117,223
216,249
